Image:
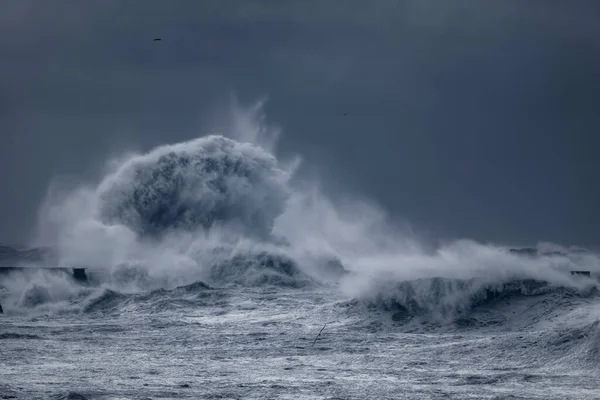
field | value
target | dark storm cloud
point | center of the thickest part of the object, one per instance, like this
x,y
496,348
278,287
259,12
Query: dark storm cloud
x,y
470,118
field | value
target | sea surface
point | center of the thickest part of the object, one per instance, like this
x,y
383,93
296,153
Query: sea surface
x,y
214,272
236,342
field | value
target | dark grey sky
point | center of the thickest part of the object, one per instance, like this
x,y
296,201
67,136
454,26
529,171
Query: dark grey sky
x,y
469,118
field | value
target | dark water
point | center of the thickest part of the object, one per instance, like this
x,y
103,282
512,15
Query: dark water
x,y
241,342
212,276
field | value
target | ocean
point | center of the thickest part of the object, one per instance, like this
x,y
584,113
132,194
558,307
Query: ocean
x,y
213,272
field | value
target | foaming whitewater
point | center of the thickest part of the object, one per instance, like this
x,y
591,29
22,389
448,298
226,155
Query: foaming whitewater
x,y
228,211
204,256
172,212
197,184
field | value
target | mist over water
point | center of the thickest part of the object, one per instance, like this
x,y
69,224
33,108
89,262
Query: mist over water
x,y
227,210
205,254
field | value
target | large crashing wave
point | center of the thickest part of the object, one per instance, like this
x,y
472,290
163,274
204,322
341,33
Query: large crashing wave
x,y
443,300
197,184
258,269
466,281
223,211
198,210
455,296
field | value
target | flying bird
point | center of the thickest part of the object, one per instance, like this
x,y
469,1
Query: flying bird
x,y
157,39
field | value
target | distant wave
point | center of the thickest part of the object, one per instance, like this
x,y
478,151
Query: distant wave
x,y
35,295
260,269
107,300
227,213
445,299
10,257
187,297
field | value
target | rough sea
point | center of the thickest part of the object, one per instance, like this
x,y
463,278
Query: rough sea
x,y
212,272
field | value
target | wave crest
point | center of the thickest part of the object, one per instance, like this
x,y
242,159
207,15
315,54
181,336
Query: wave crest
x,y
263,268
196,184
453,299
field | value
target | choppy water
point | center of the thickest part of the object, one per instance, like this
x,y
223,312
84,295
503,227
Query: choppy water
x,y
257,343
212,272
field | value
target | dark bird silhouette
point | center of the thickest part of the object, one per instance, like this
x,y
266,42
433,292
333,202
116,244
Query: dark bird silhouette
x,y
157,39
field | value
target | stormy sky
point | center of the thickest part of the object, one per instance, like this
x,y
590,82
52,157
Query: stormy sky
x,y
468,118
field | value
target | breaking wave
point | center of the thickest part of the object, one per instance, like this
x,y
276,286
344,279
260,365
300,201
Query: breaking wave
x,y
198,210
194,185
441,299
260,269
197,294
227,212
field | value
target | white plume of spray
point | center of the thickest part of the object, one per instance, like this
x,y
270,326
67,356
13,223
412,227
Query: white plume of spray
x,y
383,257
101,225
167,211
